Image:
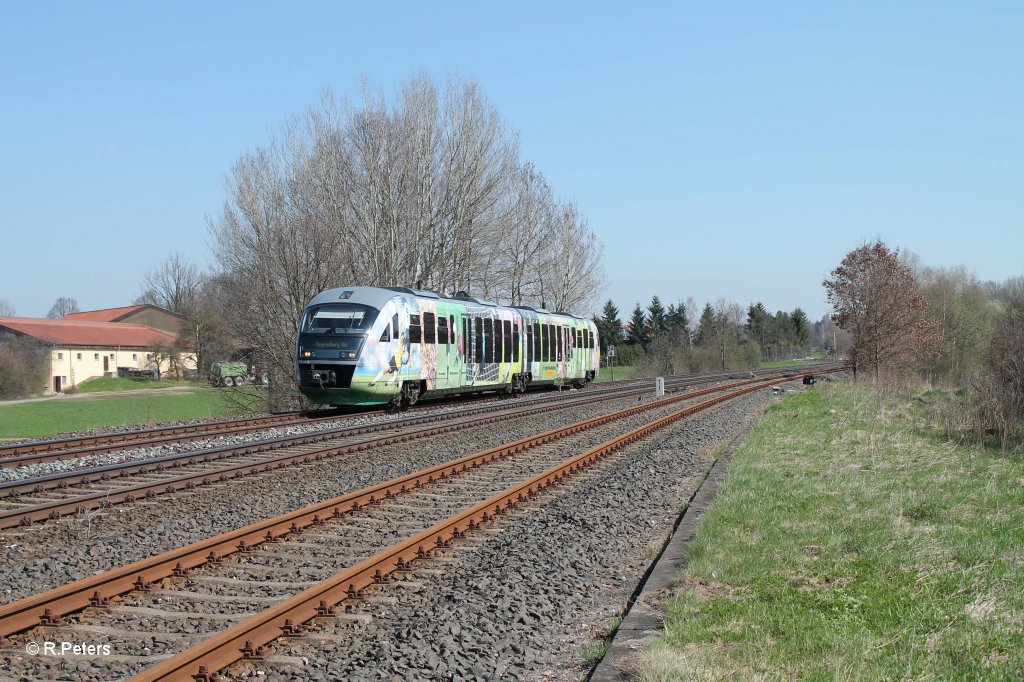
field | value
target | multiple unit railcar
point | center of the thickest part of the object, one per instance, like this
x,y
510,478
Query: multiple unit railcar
x,y
369,346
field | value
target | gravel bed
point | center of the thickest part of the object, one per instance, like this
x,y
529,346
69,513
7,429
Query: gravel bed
x,y
526,597
45,556
315,555
76,463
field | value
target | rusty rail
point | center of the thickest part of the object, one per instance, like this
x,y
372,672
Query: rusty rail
x,y
246,639
84,503
35,452
51,606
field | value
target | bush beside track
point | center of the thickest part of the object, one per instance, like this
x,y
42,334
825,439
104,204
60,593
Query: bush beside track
x,y
849,540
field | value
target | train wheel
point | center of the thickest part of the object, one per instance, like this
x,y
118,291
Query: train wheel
x,y
229,381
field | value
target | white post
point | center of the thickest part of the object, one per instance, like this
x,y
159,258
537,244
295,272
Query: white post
x,y
659,387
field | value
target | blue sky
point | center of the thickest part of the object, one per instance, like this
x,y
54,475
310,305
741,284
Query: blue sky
x,y
719,149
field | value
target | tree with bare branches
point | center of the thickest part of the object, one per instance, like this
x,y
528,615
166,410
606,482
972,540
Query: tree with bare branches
x,y
425,190
875,297
65,305
7,308
173,285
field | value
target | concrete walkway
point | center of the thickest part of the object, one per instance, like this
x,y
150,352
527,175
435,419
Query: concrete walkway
x,y
642,625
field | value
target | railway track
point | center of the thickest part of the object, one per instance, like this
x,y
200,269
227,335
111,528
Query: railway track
x,y
50,450
204,606
50,497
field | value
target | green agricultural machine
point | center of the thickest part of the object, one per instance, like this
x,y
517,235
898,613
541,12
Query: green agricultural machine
x,y
229,373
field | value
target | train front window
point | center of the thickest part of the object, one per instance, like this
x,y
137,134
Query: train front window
x,y
339,318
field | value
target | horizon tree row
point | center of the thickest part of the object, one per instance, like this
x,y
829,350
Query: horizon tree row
x,y
777,336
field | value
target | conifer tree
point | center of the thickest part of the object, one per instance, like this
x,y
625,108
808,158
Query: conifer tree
x,y
706,326
609,326
800,327
656,318
638,327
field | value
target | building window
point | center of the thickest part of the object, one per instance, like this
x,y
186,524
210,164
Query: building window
x,y
79,356
111,356
60,356
95,356
135,356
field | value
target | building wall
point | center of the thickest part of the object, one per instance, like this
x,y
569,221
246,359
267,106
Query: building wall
x,y
74,364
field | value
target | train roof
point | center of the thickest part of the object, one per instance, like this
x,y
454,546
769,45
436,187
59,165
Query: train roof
x,y
377,297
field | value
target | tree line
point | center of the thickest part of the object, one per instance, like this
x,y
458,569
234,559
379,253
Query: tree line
x,y
674,339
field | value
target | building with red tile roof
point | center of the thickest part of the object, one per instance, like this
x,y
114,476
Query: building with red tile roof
x,y
99,342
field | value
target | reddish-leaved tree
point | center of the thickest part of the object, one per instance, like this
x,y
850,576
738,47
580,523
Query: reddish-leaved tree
x,y
876,299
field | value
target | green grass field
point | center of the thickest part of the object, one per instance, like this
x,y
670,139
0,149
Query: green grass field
x,y
849,541
49,417
625,372
127,384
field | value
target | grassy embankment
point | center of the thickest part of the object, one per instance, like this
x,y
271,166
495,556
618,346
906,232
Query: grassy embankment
x,y
49,417
850,541
130,384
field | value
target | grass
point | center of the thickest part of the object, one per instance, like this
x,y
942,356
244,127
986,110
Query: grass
x,y
592,655
788,363
50,417
624,372
850,541
127,384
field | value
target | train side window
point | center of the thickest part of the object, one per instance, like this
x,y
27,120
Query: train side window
x,y
429,328
488,340
394,326
538,354
478,338
494,347
529,343
442,330
465,339
560,350
516,341
507,342
591,334
451,329
552,344
415,330
386,334
543,341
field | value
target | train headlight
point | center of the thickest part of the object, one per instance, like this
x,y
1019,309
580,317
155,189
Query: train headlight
x,y
307,354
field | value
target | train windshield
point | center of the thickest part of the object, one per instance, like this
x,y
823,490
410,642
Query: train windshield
x,y
338,318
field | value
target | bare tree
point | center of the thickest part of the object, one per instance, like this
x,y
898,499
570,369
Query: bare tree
x,y
422,191
63,306
7,308
174,285
573,274
23,367
875,297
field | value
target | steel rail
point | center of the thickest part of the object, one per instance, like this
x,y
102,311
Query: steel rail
x,y
247,638
48,608
177,437
55,509
36,452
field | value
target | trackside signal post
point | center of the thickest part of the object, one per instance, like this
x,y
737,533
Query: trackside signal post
x,y
611,360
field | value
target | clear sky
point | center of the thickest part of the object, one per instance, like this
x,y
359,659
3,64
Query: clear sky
x,y
733,149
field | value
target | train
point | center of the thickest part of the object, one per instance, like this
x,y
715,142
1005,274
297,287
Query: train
x,y
364,345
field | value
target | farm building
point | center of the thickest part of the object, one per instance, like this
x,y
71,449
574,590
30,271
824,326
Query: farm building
x,y
97,343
